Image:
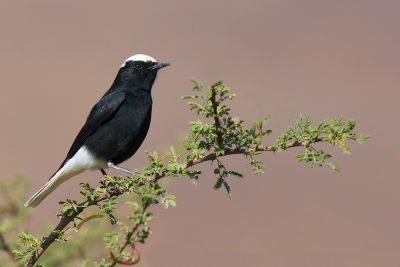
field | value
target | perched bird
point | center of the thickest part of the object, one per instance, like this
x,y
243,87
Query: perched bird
x,y
115,128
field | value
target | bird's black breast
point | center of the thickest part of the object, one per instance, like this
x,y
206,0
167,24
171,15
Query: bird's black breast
x,y
121,136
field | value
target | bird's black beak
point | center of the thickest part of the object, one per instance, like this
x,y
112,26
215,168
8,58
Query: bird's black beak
x,y
159,66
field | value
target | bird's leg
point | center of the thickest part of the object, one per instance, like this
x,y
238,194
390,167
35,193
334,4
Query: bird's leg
x,y
111,187
103,172
111,165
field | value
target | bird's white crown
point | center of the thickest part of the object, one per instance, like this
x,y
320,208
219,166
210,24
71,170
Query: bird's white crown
x,y
138,57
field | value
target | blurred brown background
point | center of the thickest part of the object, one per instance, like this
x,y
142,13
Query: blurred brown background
x,y
282,58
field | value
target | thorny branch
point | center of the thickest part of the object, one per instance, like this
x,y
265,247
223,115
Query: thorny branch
x,y
68,219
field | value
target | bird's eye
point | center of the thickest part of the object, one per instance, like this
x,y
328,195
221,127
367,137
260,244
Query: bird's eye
x,y
138,66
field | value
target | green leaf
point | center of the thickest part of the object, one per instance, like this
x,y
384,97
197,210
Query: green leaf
x,y
198,86
218,184
228,189
172,202
236,174
112,218
333,167
361,139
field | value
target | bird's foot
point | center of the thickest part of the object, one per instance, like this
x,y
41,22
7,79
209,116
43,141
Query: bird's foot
x,y
111,188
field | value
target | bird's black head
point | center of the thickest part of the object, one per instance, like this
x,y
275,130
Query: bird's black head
x,y
138,72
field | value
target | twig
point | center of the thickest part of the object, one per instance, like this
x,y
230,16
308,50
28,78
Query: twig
x,y
128,237
216,119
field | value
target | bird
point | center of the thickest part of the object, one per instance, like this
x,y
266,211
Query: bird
x,y
115,127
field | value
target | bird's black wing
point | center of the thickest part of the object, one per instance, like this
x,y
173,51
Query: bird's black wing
x,y
100,114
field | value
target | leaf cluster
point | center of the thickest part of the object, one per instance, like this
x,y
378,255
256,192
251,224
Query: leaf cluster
x,y
225,133
335,132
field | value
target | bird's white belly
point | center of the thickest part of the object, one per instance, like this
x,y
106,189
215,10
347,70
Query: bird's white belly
x,y
83,160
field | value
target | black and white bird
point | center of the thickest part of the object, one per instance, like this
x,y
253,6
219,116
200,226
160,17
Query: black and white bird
x,y
115,127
